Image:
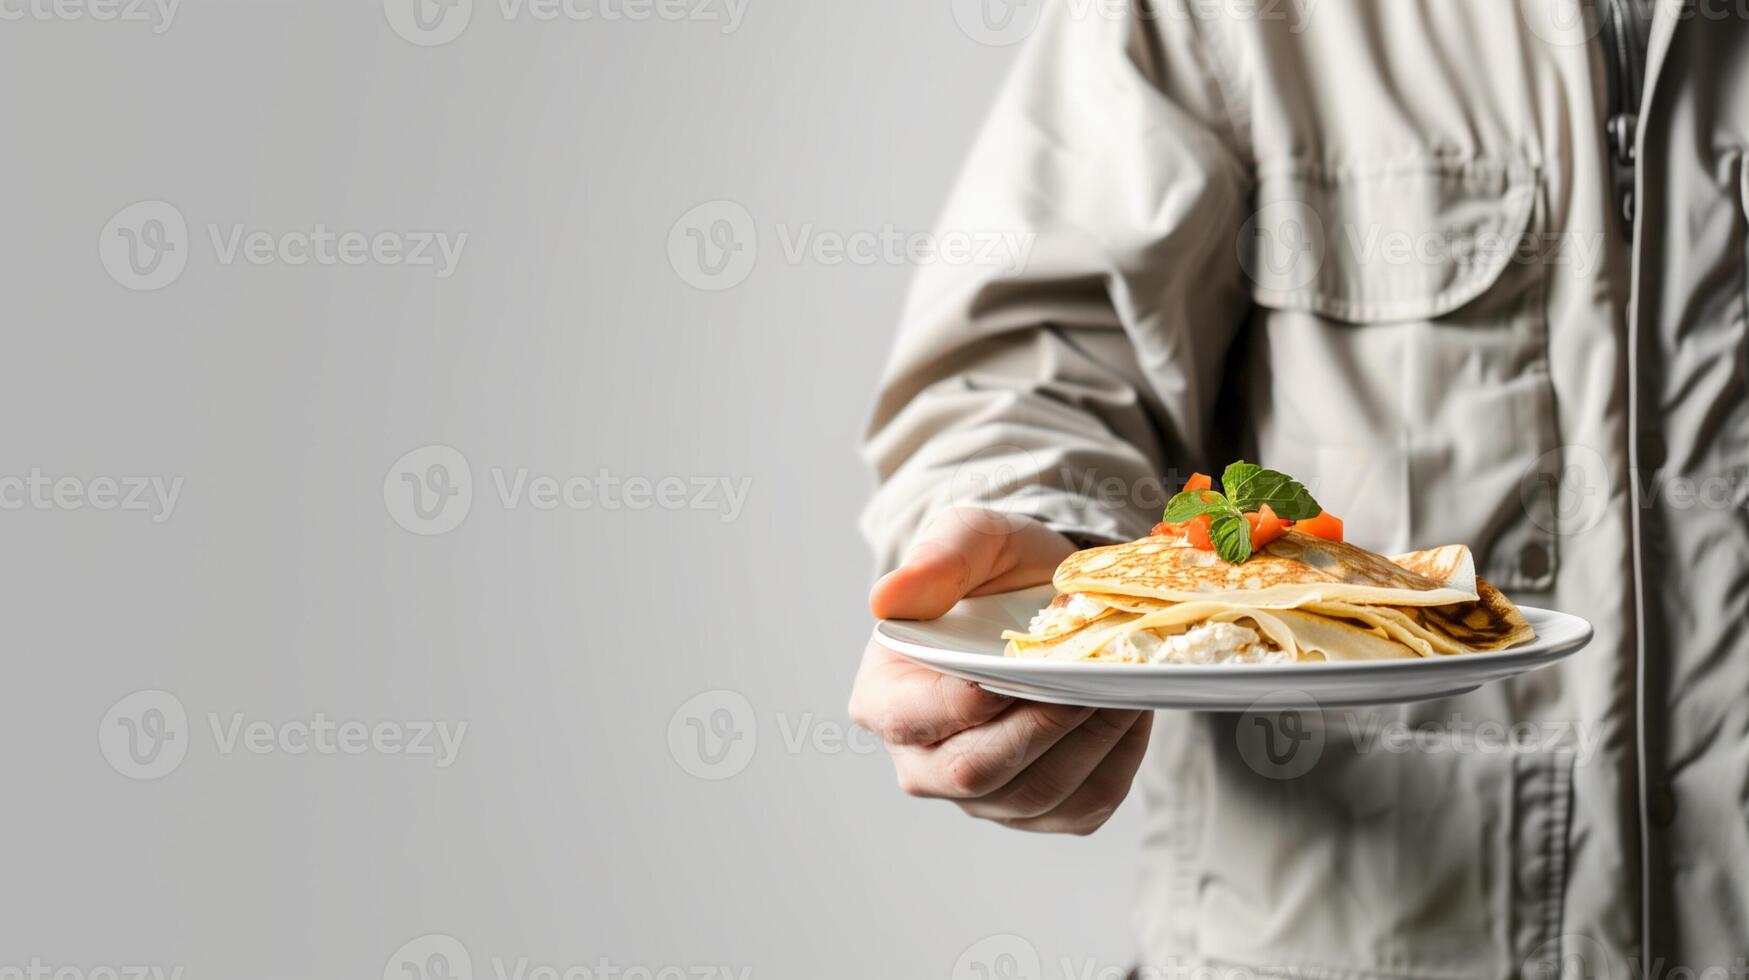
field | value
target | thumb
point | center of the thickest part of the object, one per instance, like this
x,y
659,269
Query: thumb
x,y
962,550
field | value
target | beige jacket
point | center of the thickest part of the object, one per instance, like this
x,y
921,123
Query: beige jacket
x,y
1379,244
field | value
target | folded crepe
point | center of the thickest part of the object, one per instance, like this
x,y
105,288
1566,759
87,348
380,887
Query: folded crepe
x,y
1301,598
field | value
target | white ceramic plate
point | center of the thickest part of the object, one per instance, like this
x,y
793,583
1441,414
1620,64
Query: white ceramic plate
x,y
967,642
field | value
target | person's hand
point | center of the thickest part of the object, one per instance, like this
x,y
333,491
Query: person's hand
x,y
1040,767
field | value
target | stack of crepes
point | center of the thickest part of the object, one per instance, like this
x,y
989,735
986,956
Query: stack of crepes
x,y
1300,599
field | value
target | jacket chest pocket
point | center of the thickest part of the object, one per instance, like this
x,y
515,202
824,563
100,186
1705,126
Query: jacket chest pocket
x,y
1398,354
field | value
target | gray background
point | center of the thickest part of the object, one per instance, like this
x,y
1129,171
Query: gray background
x,y
570,827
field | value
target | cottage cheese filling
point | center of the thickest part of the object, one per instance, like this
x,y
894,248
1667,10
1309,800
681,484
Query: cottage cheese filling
x,y
1208,643
1076,611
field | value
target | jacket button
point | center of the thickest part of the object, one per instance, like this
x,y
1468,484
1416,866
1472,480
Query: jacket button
x,y
1661,807
1533,560
1652,450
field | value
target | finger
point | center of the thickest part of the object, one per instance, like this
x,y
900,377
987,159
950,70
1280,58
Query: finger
x,y
906,704
1031,558
1044,785
981,760
966,550
1089,807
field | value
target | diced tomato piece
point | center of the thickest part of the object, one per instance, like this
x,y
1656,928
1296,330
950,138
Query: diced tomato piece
x,y
1265,527
1193,533
1196,532
1199,481
1325,525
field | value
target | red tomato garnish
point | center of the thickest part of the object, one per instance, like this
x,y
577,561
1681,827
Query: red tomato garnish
x,y
1193,533
1265,527
1196,532
1325,525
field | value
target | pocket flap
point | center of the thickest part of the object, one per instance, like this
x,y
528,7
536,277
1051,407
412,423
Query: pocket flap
x,y
1376,244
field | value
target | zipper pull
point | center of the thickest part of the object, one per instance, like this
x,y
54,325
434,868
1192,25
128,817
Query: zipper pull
x,y
1622,128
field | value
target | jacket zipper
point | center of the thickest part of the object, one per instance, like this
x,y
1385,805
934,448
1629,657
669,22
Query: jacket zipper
x,y
1625,63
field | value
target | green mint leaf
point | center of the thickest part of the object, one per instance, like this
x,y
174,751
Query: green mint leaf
x,y
1231,534
1250,486
1237,478
1195,503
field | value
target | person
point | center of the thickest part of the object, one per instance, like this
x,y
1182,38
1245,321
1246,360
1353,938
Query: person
x,y
1476,273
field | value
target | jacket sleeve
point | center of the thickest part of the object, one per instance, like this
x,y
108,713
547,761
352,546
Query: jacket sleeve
x,y
1063,386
